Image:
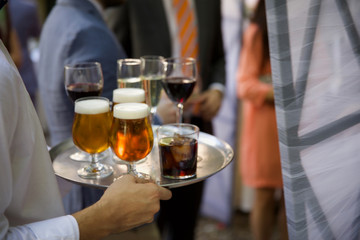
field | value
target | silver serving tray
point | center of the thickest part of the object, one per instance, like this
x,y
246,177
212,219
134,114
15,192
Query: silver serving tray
x,y
214,154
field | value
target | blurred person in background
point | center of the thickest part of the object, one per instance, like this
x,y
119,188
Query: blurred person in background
x,y
24,19
9,36
44,8
260,157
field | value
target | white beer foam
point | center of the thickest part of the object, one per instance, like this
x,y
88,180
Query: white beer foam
x,y
126,95
92,106
131,110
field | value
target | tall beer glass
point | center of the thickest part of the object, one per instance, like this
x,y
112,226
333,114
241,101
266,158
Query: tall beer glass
x,y
90,131
131,135
152,73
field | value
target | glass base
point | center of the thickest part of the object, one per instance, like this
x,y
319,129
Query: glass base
x,y
80,156
85,157
142,177
179,177
100,171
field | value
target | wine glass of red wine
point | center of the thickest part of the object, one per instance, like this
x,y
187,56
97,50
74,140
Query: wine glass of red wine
x,y
83,79
179,82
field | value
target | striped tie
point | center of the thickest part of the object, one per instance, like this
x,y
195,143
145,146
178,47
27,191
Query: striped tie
x,y
187,31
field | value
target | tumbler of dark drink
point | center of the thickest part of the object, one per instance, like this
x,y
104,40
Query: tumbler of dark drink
x,y
178,148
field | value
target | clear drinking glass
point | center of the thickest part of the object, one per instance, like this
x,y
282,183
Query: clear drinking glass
x,y
127,95
131,136
152,74
178,150
128,73
179,82
90,131
83,79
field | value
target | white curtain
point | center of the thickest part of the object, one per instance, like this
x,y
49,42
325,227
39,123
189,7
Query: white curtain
x,y
315,58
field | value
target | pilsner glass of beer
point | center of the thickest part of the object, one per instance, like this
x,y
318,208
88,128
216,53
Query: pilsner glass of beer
x,y
90,132
178,148
131,135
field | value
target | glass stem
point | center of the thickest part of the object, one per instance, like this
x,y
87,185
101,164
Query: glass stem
x,y
180,112
152,114
153,110
94,165
132,169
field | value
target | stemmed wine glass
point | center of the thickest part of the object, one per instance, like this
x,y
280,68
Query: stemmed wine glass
x,y
82,80
90,131
131,135
128,73
179,82
152,74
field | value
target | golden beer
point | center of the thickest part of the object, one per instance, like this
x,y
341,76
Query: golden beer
x,y
91,126
131,135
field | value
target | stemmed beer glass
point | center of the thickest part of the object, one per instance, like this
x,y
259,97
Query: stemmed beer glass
x,y
90,131
131,135
179,82
127,95
152,74
83,79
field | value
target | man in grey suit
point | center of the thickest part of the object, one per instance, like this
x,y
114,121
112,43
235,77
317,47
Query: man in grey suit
x,y
144,27
74,32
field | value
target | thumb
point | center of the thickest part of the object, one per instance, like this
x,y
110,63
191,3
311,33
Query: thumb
x,y
165,194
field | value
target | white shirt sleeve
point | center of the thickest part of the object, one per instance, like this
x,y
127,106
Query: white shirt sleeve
x,y
28,189
218,86
46,230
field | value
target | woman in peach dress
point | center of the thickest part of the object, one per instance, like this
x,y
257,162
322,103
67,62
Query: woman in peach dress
x,y
259,149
